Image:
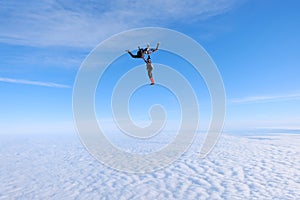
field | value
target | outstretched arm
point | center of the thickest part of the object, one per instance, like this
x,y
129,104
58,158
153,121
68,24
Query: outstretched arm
x,y
153,50
157,46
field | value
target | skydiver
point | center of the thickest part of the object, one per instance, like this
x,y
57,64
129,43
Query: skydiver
x,y
140,53
149,69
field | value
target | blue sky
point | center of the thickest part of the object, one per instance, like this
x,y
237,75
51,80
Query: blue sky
x,y
255,45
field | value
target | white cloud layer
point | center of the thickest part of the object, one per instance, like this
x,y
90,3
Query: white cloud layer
x,y
85,23
59,167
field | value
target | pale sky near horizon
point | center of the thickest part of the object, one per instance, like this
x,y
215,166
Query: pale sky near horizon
x,y
255,45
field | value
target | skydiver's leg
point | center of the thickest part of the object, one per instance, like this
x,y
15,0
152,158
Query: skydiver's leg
x,y
151,77
150,73
139,55
132,55
149,69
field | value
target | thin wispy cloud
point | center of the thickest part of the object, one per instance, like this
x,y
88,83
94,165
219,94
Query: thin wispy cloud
x,y
37,83
268,98
85,23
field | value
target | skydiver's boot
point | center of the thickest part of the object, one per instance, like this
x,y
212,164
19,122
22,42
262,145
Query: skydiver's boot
x,y
152,81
